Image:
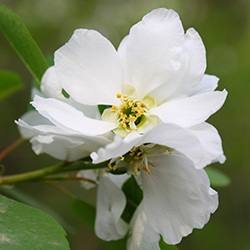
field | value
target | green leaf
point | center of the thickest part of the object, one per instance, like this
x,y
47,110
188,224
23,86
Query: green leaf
x,y
21,40
23,227
217,178
10,82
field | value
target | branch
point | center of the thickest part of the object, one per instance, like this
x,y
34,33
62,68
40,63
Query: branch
x,y
67,178
43,174
5,152
32,175
84,165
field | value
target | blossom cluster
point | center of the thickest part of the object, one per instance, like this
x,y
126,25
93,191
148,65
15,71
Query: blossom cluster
x,y
142,109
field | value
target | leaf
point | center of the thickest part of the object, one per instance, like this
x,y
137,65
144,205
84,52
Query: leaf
x,y
10,82
217,178
21,40
23,227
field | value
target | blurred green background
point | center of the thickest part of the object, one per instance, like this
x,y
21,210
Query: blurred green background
x,y
225,28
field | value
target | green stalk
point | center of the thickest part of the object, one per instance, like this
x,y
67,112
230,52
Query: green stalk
x,y
84,165
32,175
41,174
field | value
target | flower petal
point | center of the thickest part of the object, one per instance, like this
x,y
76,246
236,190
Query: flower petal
x,y
28,123
50,86
60,147
142,235
59,143
189,111
160,60
148,53
210,140
188,77
67,117
91,174
190,142
111,202
208,83
177,197
88,68
118,147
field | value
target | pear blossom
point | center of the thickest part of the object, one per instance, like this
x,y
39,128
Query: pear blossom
x,y
154,82
177,198
156,98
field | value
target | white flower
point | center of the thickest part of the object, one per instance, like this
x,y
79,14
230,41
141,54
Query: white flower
x,y
176,199
57,140
157,93
154,82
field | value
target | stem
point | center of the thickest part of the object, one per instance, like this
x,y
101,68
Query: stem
x,y
5,152
84,165
67,178
41,174
30,176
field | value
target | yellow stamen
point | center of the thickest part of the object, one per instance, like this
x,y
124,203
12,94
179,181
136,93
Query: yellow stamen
x,y
130,112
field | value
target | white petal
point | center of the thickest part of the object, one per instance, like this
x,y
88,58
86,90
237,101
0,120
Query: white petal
x,y
88,68
142,235
119,180
90,111
67,117
31,119
196,56
59,143
60,147
89,174
208,83
149,51
192,65
189,142
210,140
160,60
189,111
117,148
111,202
181,140
177,197
50,86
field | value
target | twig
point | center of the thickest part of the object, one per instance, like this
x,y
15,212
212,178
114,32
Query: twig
x,y
32,175
43,174
5,152
67,178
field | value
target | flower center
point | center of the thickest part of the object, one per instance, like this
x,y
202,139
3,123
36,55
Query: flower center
x,y
130,113
137,159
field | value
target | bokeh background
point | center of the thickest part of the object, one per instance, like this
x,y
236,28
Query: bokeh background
x,y
225,28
